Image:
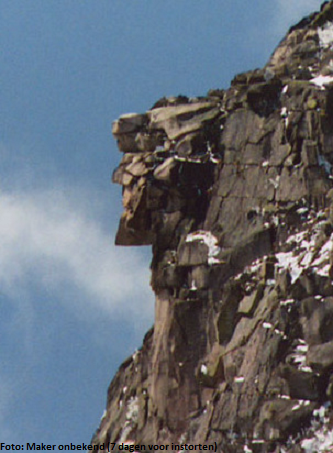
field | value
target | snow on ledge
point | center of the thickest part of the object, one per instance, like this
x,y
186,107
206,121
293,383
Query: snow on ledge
x,y
239,379
322,81
210,240
204,370
325,34
321,440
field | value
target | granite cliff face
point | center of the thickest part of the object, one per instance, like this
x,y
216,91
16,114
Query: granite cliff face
x,y
234,193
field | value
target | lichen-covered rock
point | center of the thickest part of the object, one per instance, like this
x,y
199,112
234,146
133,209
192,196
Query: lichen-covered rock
x,y
234,192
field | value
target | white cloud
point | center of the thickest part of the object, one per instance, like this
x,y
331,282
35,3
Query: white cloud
x,y
61,277
55,242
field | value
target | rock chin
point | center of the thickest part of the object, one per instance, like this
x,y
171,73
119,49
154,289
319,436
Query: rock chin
x,y
234,191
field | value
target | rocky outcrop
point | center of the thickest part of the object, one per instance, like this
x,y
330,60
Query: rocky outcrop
x,y
234,192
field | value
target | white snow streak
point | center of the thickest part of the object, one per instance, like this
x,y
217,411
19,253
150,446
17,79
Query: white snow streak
x,y
322,438
325,34
322,81
210,240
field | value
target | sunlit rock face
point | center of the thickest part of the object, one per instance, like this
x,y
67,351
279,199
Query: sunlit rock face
x,y
233,191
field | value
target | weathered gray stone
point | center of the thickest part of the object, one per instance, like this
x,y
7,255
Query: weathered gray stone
x,y
249,303
127,143
117,175
191,144
320,356
130,122
264,98
301,385
154,198
137,168
192,254
146,142
317,319
163,172
283,281
292,185
182,119
242,341
309,153
253,154
199,277
278,416
211,371
241,127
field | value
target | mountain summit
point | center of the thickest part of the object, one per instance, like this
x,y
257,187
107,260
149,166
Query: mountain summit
x,y
234,191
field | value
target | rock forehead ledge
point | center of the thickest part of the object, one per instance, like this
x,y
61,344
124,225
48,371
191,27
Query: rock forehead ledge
x,y
234,192
170,154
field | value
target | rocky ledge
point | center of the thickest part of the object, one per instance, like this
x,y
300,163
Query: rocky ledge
x,y
234,191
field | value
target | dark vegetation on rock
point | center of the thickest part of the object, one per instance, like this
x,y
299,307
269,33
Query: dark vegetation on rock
x,y
234,193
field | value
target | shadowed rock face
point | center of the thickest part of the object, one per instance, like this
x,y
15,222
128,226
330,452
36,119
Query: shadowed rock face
x,y
234,192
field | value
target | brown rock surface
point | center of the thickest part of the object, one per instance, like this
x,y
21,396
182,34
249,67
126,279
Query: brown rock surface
x,y
233,191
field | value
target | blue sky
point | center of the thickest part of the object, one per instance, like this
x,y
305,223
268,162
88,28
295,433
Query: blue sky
x,y
74,306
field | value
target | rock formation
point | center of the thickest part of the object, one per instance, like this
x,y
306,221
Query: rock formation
x,y
234,191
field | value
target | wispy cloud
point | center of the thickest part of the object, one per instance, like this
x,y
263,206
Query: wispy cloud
x,y
56,248
49,240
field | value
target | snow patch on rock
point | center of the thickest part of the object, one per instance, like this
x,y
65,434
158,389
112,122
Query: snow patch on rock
x,y
322,436
210,240
325,34
322,81
132,414
204,370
